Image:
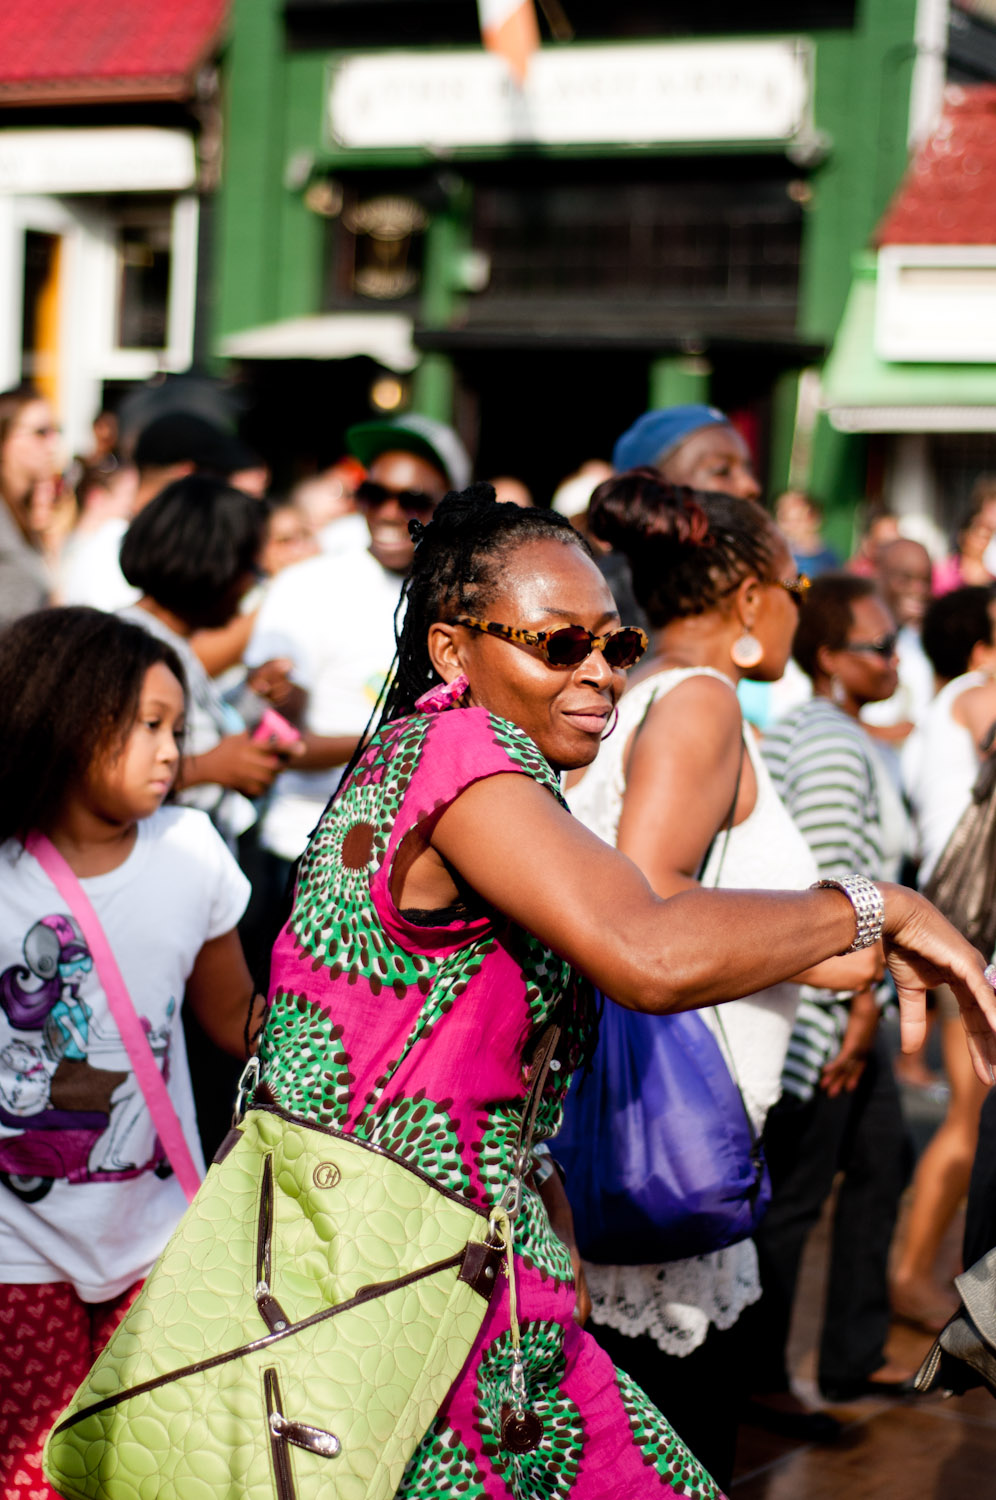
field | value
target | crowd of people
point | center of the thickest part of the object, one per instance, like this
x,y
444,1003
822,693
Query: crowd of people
x,y
415,673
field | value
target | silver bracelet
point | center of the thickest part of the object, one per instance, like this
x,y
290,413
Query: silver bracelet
x,y
869,907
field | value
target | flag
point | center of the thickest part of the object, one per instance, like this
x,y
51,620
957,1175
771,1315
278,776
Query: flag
x,y
509,27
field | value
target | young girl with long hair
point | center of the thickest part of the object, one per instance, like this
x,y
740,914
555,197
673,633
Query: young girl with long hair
x,y
93,723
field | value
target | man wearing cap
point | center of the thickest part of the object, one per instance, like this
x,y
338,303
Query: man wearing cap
x,y
693,445
333,617
699,447
170,447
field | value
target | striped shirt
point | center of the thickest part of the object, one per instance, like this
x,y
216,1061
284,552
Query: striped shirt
x,y
820,764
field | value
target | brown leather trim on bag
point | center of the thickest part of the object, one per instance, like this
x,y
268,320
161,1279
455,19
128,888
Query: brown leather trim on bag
x,y
375,1150
542,1062
232,1139
367,1294
264,1223
270,1310
542,1059
283,1475
481,1262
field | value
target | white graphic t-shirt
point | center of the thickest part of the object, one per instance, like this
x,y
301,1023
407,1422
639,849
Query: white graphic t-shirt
x,y
85,1193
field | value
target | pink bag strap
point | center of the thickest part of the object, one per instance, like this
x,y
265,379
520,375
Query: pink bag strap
x,y
136,1043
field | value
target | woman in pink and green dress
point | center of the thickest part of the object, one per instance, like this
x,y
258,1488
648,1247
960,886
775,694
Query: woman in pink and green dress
x,y
448,908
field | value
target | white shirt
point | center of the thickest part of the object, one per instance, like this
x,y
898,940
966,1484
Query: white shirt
x,y
92,574
915,690
70,1110
349,533
939,766
334,618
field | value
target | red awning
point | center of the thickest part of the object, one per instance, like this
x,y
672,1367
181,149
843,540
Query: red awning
x,y
948,196
83,51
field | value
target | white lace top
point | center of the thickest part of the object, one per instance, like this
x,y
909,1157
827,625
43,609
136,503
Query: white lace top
x,y
675,1303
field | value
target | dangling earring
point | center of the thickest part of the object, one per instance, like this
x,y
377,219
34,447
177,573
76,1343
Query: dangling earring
x,y
838,691
444,695
747,651
615,721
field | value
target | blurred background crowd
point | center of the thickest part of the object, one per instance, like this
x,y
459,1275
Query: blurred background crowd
x,y
279,275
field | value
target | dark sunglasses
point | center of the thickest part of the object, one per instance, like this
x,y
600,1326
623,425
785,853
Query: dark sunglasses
x,y
570,645
415,503
885,647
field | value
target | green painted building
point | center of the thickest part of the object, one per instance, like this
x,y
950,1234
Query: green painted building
x,y
667,211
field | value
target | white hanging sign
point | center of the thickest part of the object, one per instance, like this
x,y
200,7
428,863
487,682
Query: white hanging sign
x,y
695,92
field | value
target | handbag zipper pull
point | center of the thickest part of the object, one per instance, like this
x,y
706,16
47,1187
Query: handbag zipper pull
x,y
285,1434
311,1439
270,1310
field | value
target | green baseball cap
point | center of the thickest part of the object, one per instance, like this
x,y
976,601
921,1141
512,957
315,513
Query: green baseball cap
x,y
412,433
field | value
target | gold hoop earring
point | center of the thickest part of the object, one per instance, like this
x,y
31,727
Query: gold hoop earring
x,y
747,651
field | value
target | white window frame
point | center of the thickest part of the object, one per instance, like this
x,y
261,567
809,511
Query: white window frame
x,y
88,306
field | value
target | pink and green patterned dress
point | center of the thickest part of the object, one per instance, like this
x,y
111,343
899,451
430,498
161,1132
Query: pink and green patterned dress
x,y
410,1030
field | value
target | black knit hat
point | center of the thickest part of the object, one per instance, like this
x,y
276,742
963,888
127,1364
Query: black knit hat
x,y
182,437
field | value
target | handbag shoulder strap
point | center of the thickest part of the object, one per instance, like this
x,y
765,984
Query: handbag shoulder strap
x,y
511,1198
150,1080
542,1062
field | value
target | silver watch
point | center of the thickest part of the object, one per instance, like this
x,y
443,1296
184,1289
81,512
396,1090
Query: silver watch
x,y
869,907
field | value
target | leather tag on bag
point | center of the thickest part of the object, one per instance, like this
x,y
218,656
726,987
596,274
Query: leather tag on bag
x,y
482,1264
521,1432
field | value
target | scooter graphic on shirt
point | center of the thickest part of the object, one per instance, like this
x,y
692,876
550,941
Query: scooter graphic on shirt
x,y
72,1121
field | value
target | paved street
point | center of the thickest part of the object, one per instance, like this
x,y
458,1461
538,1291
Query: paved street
x,y
925,1449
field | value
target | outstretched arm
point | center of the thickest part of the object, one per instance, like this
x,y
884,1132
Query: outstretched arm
x,y
527,857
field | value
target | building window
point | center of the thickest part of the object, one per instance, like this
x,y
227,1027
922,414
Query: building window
x,y
40,306
144,260
733,247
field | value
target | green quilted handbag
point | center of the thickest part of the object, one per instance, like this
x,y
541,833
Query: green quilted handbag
x,y
300,1330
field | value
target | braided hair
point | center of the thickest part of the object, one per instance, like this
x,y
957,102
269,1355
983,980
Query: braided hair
x,y
457,570
687,549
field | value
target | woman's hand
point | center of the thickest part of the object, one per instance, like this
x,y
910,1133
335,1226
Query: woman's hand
x,y
923,950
